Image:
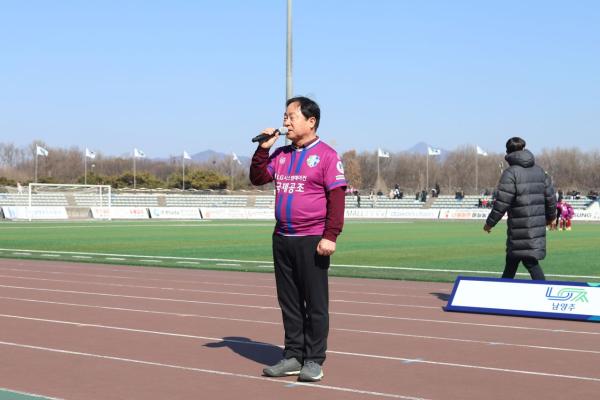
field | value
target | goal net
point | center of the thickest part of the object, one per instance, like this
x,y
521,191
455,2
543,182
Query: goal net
x,y
97,197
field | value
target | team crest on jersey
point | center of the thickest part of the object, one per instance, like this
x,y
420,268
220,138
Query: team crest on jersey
x,y
282,160
340,167
313,160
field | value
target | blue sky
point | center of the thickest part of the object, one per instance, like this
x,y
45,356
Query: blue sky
x,y
168,76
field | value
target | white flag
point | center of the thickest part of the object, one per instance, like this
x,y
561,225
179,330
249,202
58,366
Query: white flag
x,y
382,154
40,151
186,156
138,153
235,158
481,151
433,152
89,153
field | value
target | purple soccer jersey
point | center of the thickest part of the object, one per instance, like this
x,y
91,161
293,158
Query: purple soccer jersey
x,y
302,178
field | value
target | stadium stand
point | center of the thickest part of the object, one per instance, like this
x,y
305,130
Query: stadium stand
x,y
232,200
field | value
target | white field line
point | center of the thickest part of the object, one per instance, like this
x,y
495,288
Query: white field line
x,y
374,267
331,313
37,396
172,289
359,331
144,225
351,354
311,386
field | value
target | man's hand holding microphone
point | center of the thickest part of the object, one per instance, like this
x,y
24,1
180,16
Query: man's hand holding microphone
x,y
269,136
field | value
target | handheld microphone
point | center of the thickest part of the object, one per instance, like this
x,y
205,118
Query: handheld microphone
x,y
261,138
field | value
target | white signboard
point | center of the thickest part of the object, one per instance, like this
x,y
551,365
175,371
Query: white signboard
x,y
237,213
174,213
466,213
391,213
120,213
34,212
550,299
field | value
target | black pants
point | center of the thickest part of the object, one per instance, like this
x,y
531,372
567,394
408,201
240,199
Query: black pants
x,y
532,265
303,294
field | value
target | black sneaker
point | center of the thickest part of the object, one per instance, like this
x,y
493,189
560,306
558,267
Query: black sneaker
x,y
285,367
311,372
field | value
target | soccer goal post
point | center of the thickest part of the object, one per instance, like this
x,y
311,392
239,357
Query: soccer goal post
x,y
96,197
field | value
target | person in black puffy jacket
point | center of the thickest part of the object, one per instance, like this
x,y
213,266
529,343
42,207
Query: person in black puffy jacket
x,y
526,193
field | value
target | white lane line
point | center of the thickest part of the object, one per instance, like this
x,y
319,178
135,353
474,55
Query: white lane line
x,y
170,289
21,254
151,261
83,257
203,291
142,297
50,255
206,291
137,278
214,283
37,396
175,314
447,364
373,267
395,318
115,258
228,265
345,353
308,386
360,331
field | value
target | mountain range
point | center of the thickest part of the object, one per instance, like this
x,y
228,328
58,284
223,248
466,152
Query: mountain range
x,y
211,155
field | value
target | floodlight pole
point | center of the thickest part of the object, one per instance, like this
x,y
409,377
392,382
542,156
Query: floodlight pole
x,y
288,69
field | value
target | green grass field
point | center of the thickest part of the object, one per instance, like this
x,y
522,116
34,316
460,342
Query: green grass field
x,y
416,250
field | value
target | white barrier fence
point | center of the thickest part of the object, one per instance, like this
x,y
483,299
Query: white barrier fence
x,y
592,213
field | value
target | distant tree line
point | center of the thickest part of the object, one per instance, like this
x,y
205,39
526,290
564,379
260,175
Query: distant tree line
x,y
571,169
67,166
460,170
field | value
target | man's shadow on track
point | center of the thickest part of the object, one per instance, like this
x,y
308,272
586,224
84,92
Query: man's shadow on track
x,y
262,353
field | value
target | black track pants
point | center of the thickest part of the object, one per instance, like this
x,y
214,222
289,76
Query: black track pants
x,y
531,264
303,294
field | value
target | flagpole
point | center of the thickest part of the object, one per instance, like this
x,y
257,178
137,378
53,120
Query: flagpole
x,y
134,169
377,183
182,172
85,167
476,172
427,173
36,165
231,172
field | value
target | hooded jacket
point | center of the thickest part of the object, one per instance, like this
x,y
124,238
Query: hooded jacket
x,y
525,191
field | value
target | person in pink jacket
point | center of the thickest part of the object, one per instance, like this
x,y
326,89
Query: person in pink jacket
x,y
566,215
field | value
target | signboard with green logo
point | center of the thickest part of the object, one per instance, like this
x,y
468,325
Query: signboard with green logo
x,y
546,299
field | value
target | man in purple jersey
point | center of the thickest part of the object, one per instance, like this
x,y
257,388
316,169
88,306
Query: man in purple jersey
x,y
309,210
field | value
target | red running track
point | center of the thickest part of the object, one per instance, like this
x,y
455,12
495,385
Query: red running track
x,y
86,331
